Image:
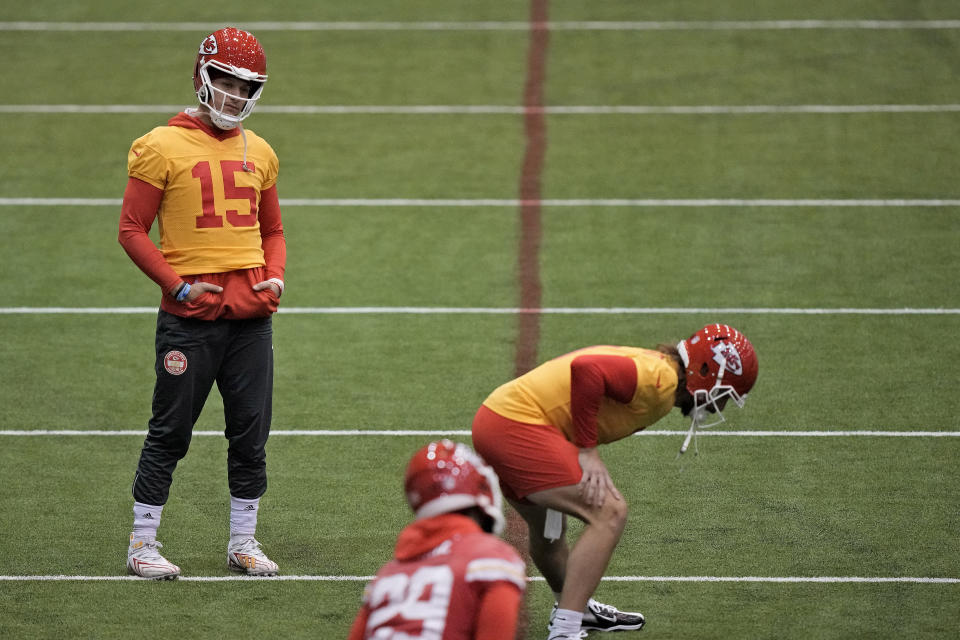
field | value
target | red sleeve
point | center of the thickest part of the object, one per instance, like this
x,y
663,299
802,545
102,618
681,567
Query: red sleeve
x,y
497,616
271,234
359,624
591,378
141,201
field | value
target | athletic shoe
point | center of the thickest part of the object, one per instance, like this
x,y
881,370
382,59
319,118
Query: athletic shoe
x,y
246,557
145,561
603,617
576,635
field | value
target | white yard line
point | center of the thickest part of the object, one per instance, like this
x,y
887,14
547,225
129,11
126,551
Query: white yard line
x,y
334,578
513,203
515,310
436,433
650,25
503,109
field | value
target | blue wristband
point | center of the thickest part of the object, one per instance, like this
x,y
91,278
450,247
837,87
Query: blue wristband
x,y
184,291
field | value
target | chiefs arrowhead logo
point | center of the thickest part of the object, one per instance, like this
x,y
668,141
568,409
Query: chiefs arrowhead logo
x,y
209,46
727,356
175,363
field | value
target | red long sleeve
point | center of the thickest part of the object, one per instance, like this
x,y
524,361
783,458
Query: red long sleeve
x,y
591,379
271,233
497,617
359,626
141,201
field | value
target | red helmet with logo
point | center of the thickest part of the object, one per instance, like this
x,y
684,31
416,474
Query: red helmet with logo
x,y
236,53
719,362
445,476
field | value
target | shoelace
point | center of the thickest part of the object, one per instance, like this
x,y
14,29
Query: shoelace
x,y
249,546
150,550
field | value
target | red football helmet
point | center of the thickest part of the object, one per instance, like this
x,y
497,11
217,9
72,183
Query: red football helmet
x,y
236,53
445,476
720,363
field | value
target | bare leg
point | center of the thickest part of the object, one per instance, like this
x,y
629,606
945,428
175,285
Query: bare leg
x,y
549,557
576,571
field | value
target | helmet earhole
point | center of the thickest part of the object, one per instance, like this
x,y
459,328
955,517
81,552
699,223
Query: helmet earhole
x,y
704,369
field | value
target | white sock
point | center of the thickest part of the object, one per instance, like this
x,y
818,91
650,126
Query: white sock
x,y
566,622
243,517
146,520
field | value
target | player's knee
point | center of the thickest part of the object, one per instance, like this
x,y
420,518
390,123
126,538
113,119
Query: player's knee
x,y
613,514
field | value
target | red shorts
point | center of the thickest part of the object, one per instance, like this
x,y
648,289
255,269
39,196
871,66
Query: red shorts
x,y
527,457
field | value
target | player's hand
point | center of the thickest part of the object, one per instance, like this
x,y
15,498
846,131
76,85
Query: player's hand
x,y
596,481
266,284
197,289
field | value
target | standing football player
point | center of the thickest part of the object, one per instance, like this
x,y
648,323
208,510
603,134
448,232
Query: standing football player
x,y
451,577
540,434
220,266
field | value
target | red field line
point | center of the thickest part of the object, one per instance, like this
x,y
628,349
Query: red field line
x,y
535,129
528,257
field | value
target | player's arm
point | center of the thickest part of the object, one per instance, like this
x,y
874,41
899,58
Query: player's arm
x,y
273,241
497,616
360,624
141,201
593,377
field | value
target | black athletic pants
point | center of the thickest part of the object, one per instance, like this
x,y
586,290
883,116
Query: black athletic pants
x,y
191,355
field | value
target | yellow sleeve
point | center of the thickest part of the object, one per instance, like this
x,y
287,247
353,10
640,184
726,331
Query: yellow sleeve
x,y
145,162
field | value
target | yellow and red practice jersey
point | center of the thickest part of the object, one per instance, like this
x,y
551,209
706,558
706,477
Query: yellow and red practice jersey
x,y
208,215
543,395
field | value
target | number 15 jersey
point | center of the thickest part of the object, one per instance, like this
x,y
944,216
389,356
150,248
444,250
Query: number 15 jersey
x,y
208,215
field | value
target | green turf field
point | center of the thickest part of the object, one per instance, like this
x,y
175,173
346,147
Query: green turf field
x,y
854,310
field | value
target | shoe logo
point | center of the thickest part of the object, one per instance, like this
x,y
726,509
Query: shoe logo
x,y
605,616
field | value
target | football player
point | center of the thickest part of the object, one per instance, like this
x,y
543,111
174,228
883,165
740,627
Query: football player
x,y
211,185
451,577
540,434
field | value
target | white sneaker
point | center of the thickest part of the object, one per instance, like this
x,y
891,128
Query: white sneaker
x,y
245,556
145,561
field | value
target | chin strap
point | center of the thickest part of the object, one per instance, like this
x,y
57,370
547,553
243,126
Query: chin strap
x,y
243,134
696,417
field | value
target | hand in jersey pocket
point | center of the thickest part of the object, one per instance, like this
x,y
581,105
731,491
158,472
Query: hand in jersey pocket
x,y
269,295
197,289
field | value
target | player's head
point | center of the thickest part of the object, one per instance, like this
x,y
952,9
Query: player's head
x,y
719,364
445,476
229,53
